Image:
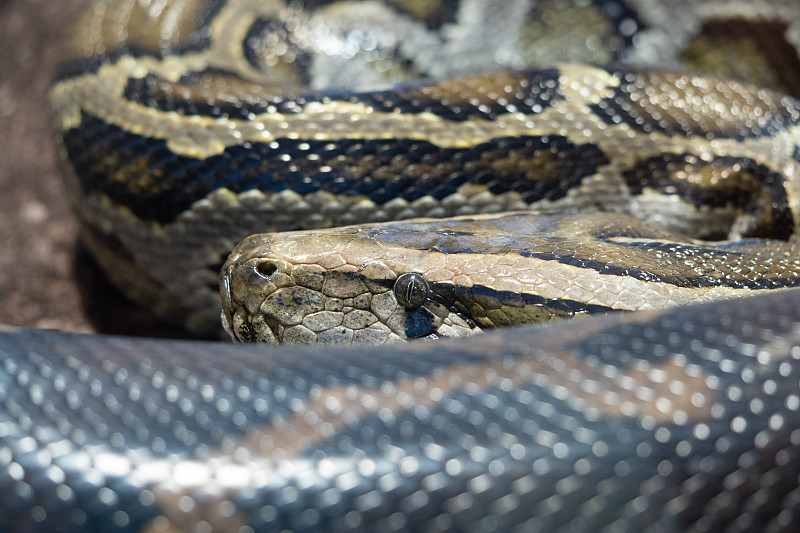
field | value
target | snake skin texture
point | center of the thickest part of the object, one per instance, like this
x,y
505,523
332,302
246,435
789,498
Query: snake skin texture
x,y
660,421
185,126
435,278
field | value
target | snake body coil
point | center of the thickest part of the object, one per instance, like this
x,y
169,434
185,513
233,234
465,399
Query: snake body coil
x,y
187,125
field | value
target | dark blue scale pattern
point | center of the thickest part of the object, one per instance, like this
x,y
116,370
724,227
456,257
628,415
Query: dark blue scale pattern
x,y
157,185
627,350
108,417
483,457
491,421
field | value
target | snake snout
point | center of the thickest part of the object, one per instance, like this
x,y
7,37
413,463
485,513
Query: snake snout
x,y
247,278
227,302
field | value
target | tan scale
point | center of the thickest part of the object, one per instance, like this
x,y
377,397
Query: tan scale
x,y
268,291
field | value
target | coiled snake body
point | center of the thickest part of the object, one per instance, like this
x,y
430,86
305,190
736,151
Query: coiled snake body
x,y
183,131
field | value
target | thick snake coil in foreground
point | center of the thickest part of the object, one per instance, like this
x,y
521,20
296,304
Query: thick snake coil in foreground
x,y
184,129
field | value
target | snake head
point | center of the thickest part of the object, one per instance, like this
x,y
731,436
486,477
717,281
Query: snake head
x,y
329,287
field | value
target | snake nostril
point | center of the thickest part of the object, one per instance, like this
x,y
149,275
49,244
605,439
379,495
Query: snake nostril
x,y
266,268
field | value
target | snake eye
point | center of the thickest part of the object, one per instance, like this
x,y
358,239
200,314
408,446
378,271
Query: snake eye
x,y
411,290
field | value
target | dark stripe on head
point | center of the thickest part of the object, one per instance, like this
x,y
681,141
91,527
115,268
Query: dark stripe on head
x,y
487,308
609,244
491,308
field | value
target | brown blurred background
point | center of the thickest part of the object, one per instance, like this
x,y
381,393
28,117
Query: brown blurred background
x,y
39,258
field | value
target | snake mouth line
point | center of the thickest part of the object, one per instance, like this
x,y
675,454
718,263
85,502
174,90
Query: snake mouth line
x,y
245,328
265,328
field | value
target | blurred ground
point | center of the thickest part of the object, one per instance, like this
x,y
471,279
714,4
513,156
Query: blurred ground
x,y
39,258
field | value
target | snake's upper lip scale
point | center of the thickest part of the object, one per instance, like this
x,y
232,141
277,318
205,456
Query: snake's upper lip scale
x,y
267,328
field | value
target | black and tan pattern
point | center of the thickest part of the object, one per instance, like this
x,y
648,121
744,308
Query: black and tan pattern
x,y
664,174
228,123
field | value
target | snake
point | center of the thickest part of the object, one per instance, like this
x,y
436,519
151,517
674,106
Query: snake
x,y
637,160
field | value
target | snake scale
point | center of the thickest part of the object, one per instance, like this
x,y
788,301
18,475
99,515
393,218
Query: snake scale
x,y
186,125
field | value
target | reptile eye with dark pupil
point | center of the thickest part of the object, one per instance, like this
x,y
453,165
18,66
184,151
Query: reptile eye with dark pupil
x,y
411,290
